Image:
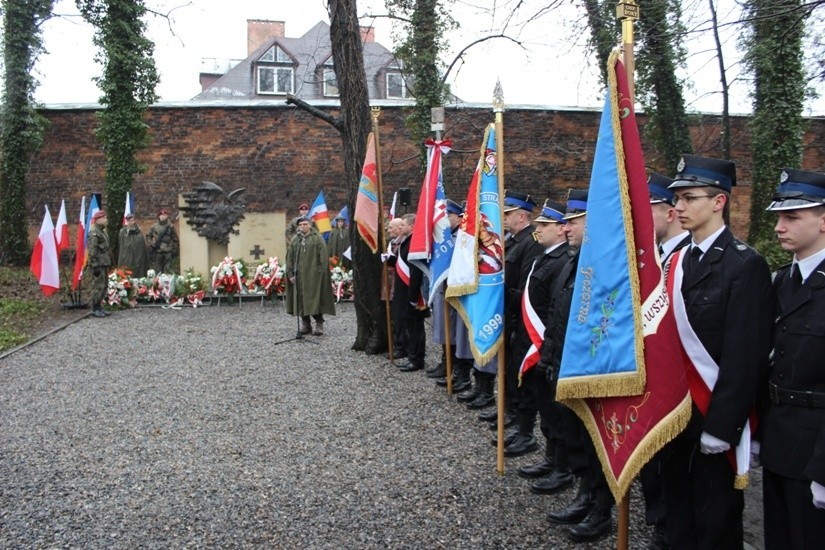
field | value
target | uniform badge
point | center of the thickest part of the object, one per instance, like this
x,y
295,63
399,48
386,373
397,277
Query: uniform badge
x,y
681,165
741,247
784,177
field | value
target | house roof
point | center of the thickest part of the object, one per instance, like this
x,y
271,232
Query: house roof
x,y
310,51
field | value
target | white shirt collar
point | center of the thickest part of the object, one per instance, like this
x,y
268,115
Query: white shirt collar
x,y
550,249
706,244
807,266
670,244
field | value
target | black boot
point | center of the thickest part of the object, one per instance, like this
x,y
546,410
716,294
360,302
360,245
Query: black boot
x,y
97,311
441,366
439,372
470,394
577,510
485,396
596,524
462,380
546,466
489,416
525,442
557,481
509,436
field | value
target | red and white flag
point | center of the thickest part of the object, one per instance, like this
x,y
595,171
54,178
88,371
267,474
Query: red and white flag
x,y
80,246
61,230
44,258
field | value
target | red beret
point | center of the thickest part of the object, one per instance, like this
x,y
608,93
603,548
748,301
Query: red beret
x,y
99,214
303,205
163,212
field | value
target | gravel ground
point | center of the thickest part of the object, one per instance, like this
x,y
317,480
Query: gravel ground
x,y
192,428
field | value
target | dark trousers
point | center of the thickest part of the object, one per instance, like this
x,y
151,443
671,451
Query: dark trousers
x,y
792,522
416,338
398,308
704,510
652,490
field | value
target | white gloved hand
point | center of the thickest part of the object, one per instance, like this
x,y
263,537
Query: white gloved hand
x,y
384,257
712,445
819,495
756,462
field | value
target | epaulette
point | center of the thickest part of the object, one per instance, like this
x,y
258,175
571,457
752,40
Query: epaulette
x,y
741,247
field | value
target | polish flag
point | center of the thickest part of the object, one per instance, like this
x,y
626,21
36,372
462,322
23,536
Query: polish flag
x,y
80,246
61,230
44,258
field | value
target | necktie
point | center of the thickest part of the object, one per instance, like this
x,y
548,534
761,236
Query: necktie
x,y
796,276
661,252
692,261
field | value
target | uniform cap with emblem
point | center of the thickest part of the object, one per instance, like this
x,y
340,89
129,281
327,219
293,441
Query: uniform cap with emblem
x,y
694,171
99,214
514,200
657,187
454,208
551,212
798,189
576,204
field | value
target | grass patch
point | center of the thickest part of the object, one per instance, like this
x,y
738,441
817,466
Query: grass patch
x,y
16,317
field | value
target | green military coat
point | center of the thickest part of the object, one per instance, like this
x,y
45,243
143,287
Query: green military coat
x,y
97,248
338,243
307,260
131,250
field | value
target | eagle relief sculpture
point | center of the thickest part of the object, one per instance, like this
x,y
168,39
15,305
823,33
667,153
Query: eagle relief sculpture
x,y
212,212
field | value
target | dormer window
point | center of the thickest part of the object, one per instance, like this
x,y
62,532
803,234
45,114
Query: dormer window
x,y
396,87
276,72
330,83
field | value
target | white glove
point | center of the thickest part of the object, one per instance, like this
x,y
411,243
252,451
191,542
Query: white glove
x,y
712,445
384,258
755,460
819,495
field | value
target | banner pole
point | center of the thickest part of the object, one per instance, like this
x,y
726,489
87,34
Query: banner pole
x,y
498,109
449,359
628,12
375,112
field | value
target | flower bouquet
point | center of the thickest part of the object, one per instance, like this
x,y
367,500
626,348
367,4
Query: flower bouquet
x,y
342,287
229,277
120,291
190,287
269,278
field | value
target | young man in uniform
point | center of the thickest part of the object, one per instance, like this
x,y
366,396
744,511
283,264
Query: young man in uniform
x,y
98,261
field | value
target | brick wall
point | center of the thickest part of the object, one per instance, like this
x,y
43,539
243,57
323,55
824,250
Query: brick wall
x,y
283,156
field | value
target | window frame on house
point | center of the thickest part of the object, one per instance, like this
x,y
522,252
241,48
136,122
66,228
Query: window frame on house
x,y
400,75
282,68
329,83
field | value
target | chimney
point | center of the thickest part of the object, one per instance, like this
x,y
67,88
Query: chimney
x,y
260,31
367,34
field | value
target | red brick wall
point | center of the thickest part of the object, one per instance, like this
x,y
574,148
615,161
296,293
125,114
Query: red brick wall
x,y
283,156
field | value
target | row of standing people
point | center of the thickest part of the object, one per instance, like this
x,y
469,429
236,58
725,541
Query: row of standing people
x,y
755,344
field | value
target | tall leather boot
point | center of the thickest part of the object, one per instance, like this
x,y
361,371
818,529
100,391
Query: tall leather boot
x,y
524,442
577,510
598,522
485,396
461,378
470,394
440,370
542,468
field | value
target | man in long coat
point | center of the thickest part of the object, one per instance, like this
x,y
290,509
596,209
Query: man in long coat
x,y
338,242
308,286
131,251
98,260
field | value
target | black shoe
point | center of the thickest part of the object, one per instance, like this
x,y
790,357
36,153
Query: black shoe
x,y
410,367
489,416
575,512
532,471
510,420
440,371
509,437
522,445
595,525
106,313
461,385
468,396
98,313
397,354
483,400
552,484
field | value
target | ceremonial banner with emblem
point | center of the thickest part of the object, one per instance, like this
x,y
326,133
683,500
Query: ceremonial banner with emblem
x,y
431,244
366,203
622,370
475,281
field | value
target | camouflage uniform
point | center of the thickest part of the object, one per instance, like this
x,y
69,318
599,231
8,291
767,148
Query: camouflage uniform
x,y
97,263
163,246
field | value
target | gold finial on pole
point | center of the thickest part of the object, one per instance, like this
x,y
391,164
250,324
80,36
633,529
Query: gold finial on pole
x,y
498,98
628,11
375,112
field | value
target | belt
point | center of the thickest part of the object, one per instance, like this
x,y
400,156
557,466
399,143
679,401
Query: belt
x,y
810,399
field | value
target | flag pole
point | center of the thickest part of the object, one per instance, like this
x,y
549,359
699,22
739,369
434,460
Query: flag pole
x,y
498,109
628,12
375,112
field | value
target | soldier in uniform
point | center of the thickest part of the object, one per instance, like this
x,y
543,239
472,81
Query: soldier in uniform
x,y
292,226
793,422
520,249
163,243
308,288
131,250
338,242
544,271
590,512
722,301
98,261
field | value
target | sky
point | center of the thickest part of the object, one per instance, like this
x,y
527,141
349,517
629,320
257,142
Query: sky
x,y
549,66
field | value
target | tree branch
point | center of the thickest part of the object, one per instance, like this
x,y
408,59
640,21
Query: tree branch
x,y
470,45
335,122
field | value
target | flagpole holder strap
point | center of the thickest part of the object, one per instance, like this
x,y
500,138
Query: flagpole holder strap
x,y
809,399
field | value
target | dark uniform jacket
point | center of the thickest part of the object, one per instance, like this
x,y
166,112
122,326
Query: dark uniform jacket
x,y
519,252
793,437
729,303
557,314
546,270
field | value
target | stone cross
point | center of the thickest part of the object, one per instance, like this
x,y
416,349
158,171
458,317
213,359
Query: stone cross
x,y
257,252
